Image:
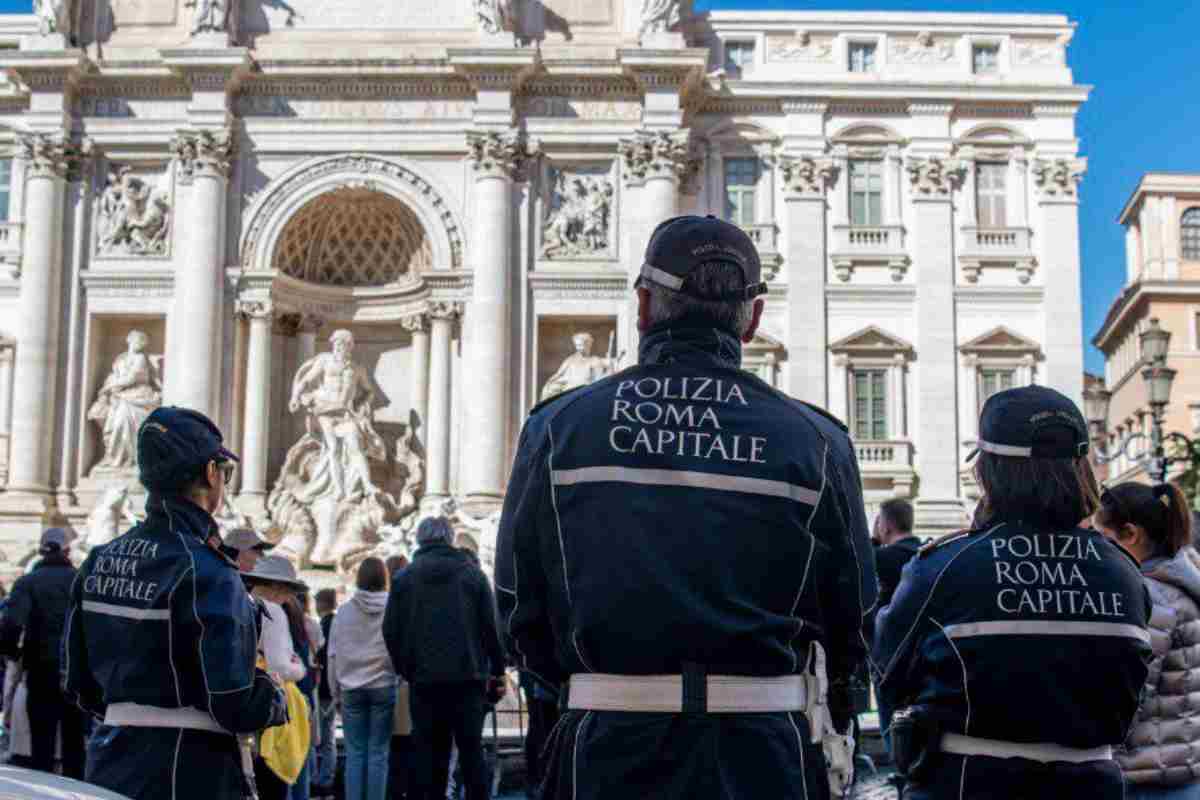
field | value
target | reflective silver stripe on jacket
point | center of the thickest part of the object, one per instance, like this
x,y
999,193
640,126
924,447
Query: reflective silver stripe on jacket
x,y
136,715
111,610
663,694
1032,627
960,745
697,480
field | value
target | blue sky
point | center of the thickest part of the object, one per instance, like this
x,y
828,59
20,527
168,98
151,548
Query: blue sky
x,y
1142,116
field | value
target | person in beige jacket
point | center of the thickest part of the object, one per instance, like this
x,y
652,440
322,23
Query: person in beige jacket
x,y
1161,757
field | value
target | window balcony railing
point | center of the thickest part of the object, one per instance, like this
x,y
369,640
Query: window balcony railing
x,y
884,455
868,245
766,239
1000,247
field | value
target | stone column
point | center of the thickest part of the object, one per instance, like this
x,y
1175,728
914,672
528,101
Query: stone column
x,y
893,193
1057,184
202,160
970,395
933,181
1019,169
259,314
418,325
6,392
899,425
437,453
34,402
497,160
839,388
657,161
805,180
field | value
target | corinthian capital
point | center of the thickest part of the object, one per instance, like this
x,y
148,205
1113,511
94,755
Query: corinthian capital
x,y
935,176
48,155
498,154
417,322
255,309
808,176
656,154
1058,177
204,153
443,309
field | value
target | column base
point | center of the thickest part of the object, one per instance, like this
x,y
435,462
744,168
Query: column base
x,y
939,516
252,504
482,504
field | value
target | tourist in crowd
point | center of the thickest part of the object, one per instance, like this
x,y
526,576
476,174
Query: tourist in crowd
x,y
541,702
1161,757
273,583
167,659
364,683
442,634
400,771
32,630
1014,653
245,546
306,646
326,770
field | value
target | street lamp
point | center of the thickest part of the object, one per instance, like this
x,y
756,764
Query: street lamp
x,y
1155,342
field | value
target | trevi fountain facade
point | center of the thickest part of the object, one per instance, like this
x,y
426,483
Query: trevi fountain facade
x,y
367,237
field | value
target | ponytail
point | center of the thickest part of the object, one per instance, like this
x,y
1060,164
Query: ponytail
x,y
1162,511
1177,528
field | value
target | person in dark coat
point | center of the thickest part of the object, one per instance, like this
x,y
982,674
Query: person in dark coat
x,y
684,550
326,773
162,636
442,634
37,611
893,529
1014,653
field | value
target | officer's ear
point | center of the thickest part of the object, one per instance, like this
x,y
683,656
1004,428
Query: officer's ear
x,y
643,296
748,336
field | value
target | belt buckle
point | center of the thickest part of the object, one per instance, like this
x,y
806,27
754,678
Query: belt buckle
x,y
695,688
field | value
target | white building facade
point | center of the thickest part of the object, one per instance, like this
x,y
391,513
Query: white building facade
x,y
465,184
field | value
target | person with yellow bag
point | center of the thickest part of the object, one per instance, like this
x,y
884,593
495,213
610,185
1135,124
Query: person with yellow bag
x,y
283,750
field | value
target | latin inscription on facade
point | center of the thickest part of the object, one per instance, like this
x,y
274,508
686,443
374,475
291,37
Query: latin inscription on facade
x,y
422,109
572,108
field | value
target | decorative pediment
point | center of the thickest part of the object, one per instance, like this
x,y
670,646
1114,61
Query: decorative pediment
x,y
871,341
762,344
1001,341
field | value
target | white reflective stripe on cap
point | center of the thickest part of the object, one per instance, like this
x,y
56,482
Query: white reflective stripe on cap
x,y
661,277
123,611
1030,627
1004,449
696,480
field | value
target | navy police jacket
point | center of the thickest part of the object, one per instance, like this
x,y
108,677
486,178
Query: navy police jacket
x,y
160,618
683,510
1019,633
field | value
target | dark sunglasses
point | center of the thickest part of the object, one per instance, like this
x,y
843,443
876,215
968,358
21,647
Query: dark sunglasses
x,y
226,468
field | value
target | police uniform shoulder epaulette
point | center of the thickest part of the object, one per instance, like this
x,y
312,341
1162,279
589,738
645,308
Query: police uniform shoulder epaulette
x,y
934,544
825,414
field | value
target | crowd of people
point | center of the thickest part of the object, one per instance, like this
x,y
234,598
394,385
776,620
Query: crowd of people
x,y
684,624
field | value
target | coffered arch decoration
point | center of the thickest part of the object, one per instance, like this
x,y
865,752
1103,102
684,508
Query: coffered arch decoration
x,y
427,235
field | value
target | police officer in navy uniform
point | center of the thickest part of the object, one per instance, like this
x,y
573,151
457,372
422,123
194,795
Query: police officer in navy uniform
x,y
1014,652
684,551
161,634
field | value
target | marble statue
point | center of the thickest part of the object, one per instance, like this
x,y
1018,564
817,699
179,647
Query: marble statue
x,y
581,367
578,223
112,516
209,16
336,394
658,16
130,392
53,16
495,16
134,218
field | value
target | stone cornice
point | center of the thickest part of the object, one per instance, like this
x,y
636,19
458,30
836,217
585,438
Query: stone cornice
x,y
357,88
159,283
502,69
612,286
47,70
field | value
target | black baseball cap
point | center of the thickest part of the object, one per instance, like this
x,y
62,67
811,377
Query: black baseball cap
x,y
681,244
174,444
1031,422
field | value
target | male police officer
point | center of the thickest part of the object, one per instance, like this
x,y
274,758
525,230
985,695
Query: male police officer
x,y
681,546
161,634
1015,652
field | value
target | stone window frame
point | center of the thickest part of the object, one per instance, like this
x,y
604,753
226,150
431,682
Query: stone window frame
x,y
1003,54
756,51
763,357
1021,355
887,352
1014,148
847,41
745,140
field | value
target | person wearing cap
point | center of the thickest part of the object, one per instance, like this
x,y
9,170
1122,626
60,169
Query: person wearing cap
x,y
161,635
246,547
684,550
31,632
1014,652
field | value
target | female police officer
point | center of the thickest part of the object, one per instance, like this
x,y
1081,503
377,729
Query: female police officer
x,y
161,635
1014,652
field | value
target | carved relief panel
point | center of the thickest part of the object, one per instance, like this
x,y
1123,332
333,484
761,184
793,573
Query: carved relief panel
x,y
134,211
579,211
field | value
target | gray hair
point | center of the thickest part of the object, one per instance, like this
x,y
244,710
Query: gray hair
x,y
434,529
711,279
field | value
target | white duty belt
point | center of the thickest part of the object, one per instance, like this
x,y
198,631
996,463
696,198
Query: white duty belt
x,y
961,745
136,715
664,694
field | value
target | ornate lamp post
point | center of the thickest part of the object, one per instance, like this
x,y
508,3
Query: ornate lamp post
x,y
1158,377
